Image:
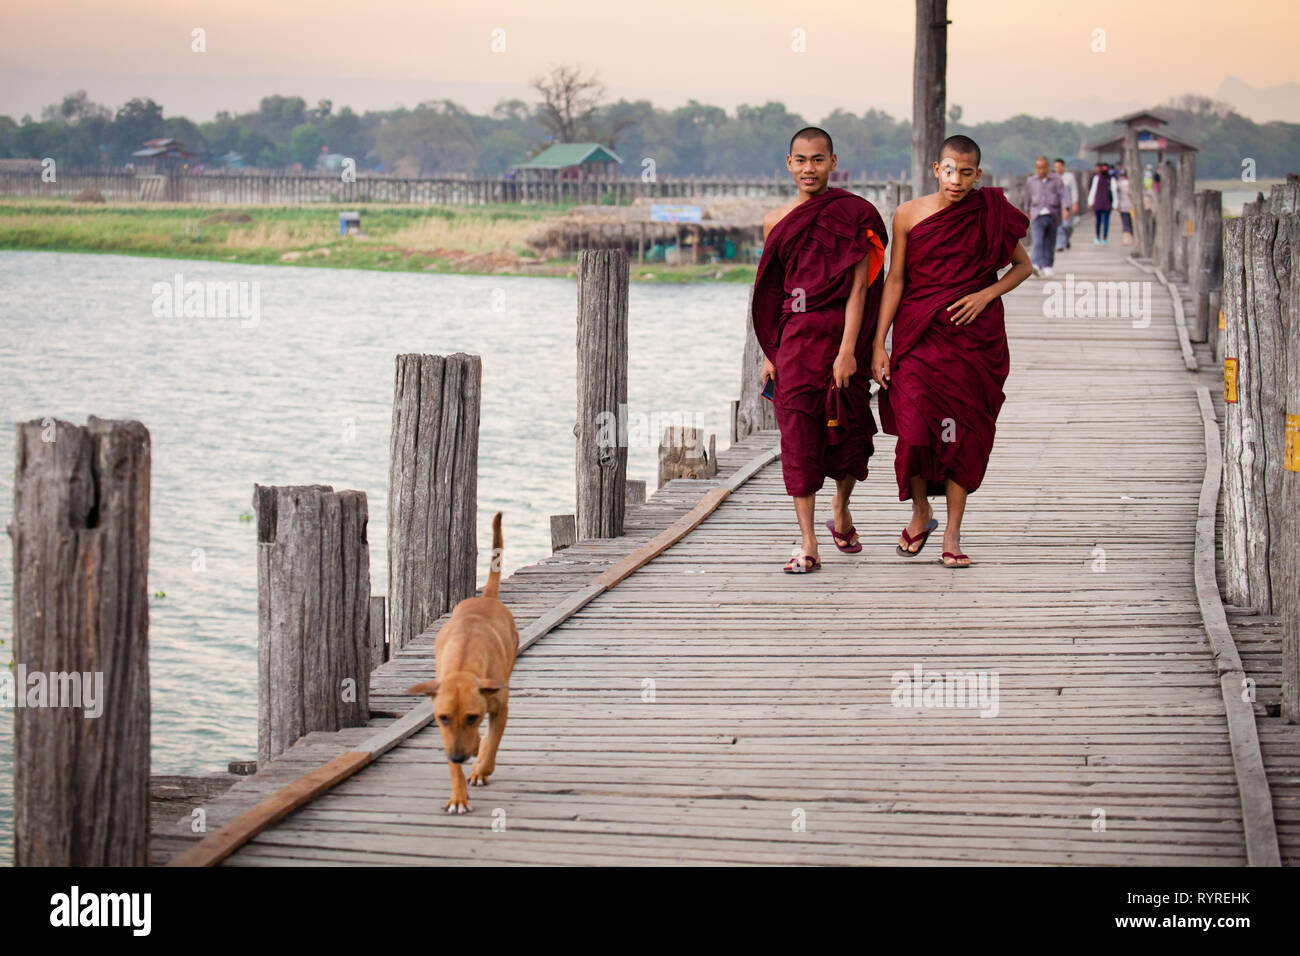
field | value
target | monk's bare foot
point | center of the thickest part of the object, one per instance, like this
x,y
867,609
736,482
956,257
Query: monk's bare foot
x,y
916,527
951,547
843,520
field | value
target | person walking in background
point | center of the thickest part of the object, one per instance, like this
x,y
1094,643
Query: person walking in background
x,y
1124,202
1071,215
1045,198
1101,197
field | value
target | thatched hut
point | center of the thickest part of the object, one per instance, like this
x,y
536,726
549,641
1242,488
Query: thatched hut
x,y
708,229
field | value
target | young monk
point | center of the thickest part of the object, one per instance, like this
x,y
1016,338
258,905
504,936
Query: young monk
x,y
941,386
816,298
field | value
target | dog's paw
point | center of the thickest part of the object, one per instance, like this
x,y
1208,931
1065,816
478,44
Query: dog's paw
x,y
477,779
458,806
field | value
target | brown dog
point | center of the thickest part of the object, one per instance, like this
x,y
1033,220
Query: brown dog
x,y
474,655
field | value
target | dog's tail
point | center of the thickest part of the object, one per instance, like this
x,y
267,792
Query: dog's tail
x,y
494,575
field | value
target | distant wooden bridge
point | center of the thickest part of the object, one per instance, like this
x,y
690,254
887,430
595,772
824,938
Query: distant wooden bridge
x,y
709,709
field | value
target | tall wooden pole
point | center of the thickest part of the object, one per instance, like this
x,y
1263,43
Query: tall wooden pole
x,y
1289,235
313,613
432,490
755,412
1205,263
602,392
81,642
1137,191
929,90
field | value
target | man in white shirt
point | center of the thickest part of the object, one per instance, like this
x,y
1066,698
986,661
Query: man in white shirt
x,y
1072,213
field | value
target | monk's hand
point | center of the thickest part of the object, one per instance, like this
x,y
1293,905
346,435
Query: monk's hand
x,y
880,366
968,307
845,365
769,370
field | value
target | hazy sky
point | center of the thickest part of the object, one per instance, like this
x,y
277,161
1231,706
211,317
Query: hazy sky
x,y
1005,57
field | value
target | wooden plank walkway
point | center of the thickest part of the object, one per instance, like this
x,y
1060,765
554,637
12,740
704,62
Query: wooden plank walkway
x,y
772,735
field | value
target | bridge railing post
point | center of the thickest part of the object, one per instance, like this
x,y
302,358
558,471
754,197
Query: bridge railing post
x,y
1206,262
601,452
1162,254
80,536
432,490
314,649
1236,438
1289,231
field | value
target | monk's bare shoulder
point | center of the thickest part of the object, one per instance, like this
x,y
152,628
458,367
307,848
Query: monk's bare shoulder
x,y
776,215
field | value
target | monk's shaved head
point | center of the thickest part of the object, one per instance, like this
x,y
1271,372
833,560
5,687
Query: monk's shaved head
x,y
812,133
961,146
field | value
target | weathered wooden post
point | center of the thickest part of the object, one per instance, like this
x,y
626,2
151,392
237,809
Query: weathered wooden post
x,y
378,631
602,392
563,532
1268,342
1184,213
81,644
1284,197
754,412
682,454
1166,238
1206,262
1290,503
432,490
1137,189
313,613
1237,441
929,89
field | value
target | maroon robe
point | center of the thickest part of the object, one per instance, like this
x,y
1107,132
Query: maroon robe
x,y
812,253
945,386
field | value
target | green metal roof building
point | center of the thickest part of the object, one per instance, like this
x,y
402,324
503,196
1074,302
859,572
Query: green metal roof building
x,y
571,161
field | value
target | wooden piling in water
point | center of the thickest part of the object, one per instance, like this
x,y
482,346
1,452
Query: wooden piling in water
x,y
754,411
602,392
80,536
432,490
313,613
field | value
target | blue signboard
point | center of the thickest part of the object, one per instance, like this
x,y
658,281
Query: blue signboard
x,y
664,212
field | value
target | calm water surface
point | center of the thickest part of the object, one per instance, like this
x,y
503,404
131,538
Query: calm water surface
x,y
306,397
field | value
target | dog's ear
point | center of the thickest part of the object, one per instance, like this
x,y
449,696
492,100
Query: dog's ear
x,y
429,687
489,686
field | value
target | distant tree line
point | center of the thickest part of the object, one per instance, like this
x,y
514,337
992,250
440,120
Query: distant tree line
x,y
442,136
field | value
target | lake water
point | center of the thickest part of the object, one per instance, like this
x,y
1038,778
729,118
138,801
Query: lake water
x,y
305,396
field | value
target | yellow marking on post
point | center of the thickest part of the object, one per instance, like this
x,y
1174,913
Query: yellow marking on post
x,y
1190,228
1291,455
1223,324
1230,381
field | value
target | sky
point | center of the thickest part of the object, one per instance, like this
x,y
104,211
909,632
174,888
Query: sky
x,y
1083,61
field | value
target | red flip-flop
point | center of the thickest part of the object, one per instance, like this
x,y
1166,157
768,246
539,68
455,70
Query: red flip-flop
x,y
955,557
934,523
846,538
797,565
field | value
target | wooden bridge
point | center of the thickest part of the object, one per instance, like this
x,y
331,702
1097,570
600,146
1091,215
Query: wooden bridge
x,y
710,709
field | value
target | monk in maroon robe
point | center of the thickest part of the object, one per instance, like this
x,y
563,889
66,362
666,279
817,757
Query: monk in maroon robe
x,y
942,382
816,298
